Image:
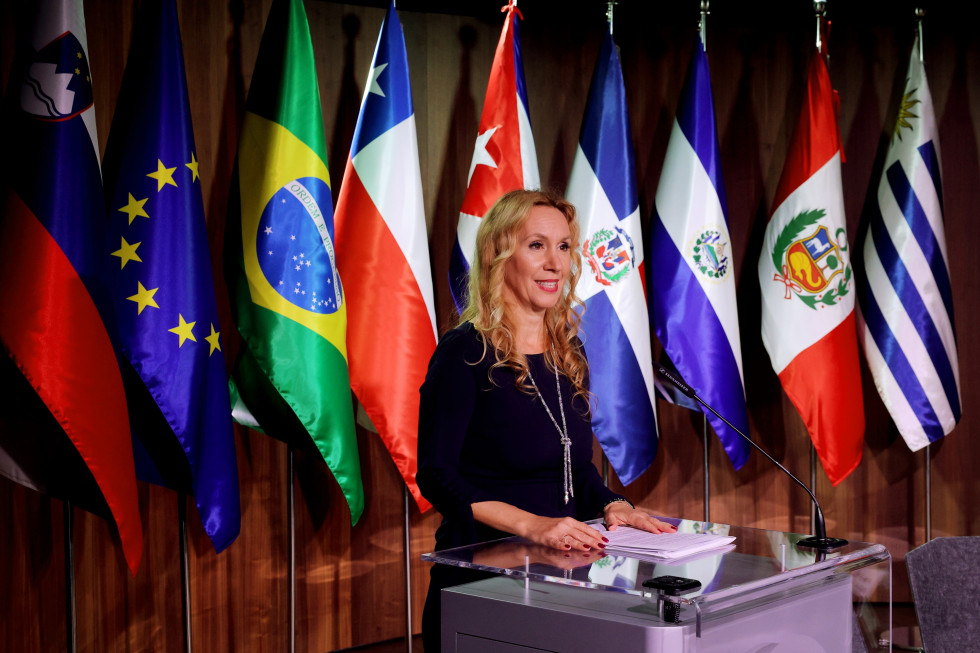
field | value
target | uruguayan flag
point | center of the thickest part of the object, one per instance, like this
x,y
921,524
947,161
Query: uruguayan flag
x,y
906,300
692,279
615,329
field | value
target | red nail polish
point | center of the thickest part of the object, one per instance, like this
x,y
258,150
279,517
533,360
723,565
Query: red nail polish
x,y
605,539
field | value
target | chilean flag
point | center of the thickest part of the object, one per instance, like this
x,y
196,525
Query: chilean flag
x,y
503,158
54,258
383,256
808,322
614,326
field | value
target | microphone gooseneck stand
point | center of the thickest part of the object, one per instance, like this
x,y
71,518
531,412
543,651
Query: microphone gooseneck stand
x,y
819,540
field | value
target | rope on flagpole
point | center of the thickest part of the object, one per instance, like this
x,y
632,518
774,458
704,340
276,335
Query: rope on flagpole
x,y
920,13
609,13
820,9
703,30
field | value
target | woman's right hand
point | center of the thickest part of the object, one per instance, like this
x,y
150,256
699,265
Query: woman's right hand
x,y
563,533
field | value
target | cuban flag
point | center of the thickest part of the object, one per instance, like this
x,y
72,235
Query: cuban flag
x,y
503,158
614,325
905,295
383,256
55,306
692,279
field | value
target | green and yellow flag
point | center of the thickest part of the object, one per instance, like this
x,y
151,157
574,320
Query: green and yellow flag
x,y
280,264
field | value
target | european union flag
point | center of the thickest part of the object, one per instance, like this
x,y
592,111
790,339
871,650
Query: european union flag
x,y
161,278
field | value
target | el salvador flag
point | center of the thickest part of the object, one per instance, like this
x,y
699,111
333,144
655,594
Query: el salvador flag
x,y
614,325
906,300
692,281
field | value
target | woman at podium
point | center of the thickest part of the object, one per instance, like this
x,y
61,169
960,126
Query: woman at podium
x,y
505,432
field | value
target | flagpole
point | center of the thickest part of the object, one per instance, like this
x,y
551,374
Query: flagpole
x,y
69,577
813,487
919,15
820,9
291,509
609,13
703,34
185,584
928,492
707,470
408,574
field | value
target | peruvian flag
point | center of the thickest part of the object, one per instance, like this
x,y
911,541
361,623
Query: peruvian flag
x,y
808,323
503,158
383,256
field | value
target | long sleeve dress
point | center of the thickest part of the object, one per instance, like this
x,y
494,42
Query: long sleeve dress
x,y
483,439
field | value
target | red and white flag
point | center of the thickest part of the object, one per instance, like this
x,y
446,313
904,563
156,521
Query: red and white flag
x,y
808,323
383,257
503,158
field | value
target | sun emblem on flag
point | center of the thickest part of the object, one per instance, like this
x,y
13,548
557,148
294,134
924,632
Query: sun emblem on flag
x,y
904,113
811,263
709,254
610,254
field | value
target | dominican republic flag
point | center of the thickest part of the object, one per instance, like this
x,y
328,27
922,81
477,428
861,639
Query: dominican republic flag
x,y
692,279
614,325
383,256
161,279
808,323
906,300
503,158
54,302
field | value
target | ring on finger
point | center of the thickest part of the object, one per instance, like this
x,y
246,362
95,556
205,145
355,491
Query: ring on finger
x,y
564,539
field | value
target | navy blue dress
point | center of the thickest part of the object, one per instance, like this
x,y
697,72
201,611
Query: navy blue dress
x,y
483,439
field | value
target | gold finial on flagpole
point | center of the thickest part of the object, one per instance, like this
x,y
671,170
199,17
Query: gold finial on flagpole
x,y
703,24
920,13
609,13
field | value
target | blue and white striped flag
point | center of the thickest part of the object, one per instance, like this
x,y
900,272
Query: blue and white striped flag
x,y
692,280
616,332
905,296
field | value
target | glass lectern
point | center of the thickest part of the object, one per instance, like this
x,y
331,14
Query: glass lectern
x,y
761,593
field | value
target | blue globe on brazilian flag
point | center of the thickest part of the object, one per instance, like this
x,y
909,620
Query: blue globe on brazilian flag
x,y
280,265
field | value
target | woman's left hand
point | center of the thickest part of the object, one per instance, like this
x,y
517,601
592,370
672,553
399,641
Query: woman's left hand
x,y
620,513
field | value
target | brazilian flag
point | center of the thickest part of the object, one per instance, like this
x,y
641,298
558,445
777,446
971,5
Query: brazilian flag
x,y
280,263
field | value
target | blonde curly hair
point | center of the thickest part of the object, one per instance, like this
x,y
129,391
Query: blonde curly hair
x,y
496,242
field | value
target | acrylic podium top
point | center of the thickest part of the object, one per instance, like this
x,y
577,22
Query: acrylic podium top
x,y
757,561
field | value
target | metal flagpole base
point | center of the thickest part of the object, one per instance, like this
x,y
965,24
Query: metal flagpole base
x,y
822,543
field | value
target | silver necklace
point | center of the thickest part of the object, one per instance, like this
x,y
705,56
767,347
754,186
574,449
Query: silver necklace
x,y
562,430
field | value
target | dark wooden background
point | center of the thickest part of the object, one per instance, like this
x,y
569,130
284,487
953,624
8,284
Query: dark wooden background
x,y
350,588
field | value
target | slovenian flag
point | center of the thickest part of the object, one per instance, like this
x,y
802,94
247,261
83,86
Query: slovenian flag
x,y
614,325
383,256
161,278
692,279
806,279
503,158
906,294
54,300
280,259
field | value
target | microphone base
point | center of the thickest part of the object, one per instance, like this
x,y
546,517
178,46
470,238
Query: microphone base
x,y
822,543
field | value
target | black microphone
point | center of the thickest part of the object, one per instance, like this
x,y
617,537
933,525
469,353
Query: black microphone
x,y
820,541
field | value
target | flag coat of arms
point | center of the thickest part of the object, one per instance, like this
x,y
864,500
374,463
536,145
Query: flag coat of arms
x,y
55,307
161,278
807,287
503,158
383,256
906,301
281,265
614,325
692,279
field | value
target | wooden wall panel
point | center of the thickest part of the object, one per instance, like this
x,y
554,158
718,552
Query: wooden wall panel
x,y
350,583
